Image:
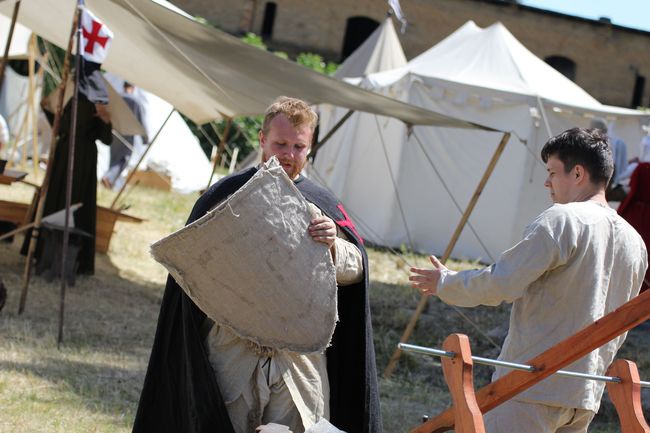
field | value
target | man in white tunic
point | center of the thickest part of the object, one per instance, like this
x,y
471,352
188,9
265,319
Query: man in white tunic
x,y
578,261
260,384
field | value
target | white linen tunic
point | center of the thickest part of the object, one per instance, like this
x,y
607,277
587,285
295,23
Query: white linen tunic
x,y
576,263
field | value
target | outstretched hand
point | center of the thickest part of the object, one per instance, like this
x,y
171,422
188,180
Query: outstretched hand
x,y
426,280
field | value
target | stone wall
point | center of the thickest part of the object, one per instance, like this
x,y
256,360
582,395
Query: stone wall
x,y
607,57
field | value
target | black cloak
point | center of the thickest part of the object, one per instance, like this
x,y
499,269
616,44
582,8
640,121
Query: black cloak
x,y
180,392
84,174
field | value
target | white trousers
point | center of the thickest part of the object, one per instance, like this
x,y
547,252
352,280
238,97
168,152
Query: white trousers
x,y
270,398
519,417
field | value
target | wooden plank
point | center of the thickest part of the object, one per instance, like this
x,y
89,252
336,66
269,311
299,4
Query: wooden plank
x,y
13,212
7,177
458,373
152,179
626,396
548,362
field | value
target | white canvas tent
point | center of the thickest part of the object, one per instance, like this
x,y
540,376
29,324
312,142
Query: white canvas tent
x,y
406,186
19,41
380,52
203,72
176,152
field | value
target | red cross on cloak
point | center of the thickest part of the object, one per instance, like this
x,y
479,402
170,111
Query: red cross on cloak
x,y
347,222
93,37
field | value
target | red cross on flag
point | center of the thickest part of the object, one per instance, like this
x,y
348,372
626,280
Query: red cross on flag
x,y
96,37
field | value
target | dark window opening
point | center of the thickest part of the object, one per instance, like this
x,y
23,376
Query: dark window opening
x,y
565,66
269,19
639,88
357,31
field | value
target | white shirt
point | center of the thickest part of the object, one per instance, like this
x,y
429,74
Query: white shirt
x,y
576,263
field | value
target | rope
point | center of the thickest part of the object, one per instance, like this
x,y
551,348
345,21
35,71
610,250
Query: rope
x,y
368,229
392,178
173,45
453,199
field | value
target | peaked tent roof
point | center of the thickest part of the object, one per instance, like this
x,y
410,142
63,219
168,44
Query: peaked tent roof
x,y
203,72
492,58
380,52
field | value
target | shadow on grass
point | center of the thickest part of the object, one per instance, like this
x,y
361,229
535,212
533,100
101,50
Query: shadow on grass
x,y
99,387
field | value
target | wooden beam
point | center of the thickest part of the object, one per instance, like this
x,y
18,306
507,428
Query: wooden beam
x,y
137,165
569,350
458,373
626,396
222,145
12,26
317,146
392,363
48,172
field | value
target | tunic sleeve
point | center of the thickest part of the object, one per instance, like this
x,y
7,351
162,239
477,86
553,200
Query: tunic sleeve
x,y
508,278
348,262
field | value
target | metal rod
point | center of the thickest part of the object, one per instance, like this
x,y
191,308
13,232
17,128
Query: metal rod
x,y
512,365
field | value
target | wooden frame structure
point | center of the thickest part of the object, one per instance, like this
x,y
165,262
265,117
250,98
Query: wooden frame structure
x,y
465,416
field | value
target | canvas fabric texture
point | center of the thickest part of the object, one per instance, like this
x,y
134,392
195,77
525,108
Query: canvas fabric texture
x,y
234,262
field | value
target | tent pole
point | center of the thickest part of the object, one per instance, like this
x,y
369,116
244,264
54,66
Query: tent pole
x,y
331,132
144,154
222,145
31,106
69,175
48,172
5,57
392,364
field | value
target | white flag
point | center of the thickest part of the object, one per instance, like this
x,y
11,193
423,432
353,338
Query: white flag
x,y
96,37
394,4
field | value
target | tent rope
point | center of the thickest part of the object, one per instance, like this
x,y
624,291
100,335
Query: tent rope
x,y
392,179
451,196
396,253
173,45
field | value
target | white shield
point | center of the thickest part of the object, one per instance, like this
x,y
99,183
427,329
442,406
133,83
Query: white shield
x,y
251,265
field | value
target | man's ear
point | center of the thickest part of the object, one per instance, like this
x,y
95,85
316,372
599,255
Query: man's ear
x,y
260,136
580,173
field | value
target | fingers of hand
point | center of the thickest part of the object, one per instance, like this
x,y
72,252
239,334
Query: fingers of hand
x,y
436,262
424,280
323,229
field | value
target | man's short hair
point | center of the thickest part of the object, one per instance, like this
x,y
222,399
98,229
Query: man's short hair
x,y
297,111
587,147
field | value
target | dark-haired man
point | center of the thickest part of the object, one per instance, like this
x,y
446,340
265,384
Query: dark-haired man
x,y
578,261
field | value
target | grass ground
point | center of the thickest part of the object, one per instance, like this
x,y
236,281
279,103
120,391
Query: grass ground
x,y
92,382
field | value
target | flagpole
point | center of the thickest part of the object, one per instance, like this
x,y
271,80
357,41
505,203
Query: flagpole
x,y
48,172
68,191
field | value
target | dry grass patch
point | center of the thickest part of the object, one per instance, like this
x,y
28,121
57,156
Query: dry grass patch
x,y
92,383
